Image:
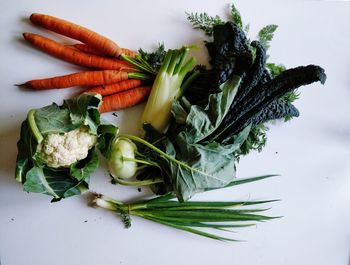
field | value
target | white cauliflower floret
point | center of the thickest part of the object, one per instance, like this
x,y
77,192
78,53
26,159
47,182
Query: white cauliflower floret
x,y
62,150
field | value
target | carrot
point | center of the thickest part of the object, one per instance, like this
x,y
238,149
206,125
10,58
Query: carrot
x,y
74,56
84,48
88,78
124,99
74,31
115,88
128,52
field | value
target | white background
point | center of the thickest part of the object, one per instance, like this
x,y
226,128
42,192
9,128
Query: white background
x,y
310,153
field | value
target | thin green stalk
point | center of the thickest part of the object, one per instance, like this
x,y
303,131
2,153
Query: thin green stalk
x,y
140,64
149,145
191,230
138,183
33,127
140,76
139,161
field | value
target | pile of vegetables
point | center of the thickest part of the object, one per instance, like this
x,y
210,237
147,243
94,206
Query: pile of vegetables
x,y
196,124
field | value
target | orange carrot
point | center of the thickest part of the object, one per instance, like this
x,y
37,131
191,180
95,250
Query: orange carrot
x,y
74,56
104,77
74,31
106,90
124,99
128,52
84,48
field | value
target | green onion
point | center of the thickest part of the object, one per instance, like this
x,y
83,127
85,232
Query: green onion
x,y
190,216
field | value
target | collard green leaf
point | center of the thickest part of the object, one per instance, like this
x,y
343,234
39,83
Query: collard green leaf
x,y
201,122
208,166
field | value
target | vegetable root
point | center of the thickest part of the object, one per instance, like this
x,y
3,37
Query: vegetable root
x,y
85,48
106,90
74,31
124,99
75,56
87,78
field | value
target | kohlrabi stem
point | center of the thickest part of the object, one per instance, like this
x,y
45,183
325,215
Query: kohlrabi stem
x,y
33,127
138,183
154,148
139,161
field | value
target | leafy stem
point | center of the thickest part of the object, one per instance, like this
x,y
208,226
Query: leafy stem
x,y
33,126
160,152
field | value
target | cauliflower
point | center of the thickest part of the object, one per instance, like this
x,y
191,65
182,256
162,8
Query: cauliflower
x,y
62,150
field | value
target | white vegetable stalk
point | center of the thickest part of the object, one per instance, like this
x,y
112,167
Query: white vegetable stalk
x,y
166,88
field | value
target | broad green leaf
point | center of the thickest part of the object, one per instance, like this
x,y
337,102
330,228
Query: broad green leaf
x,y
201,122
85,167
53,119
53,182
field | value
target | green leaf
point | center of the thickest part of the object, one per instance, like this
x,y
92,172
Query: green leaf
x,y
106,133
265,35
59,183
204,22
236,17
201,122
53,119
83,110
82,169
275,69
26,147
210,165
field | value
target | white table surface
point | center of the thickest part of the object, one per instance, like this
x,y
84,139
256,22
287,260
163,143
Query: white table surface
x,y
310,153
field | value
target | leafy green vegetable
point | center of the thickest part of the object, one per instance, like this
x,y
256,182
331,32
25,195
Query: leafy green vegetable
x,y
31,166
204,22
265,35
191,216
256,139
155,58
236,17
